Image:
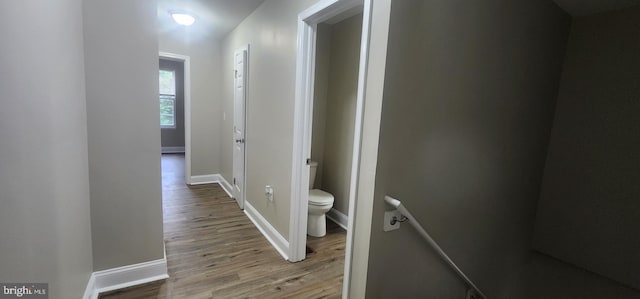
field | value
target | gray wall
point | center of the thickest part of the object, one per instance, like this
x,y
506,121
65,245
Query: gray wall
x,y
546,277
469,96
589,214
44,187
206,89
320,89
175,136
121,66
339,108
271,31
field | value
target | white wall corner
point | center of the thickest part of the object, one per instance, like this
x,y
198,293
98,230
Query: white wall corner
x,y
339,218
212,179
126,276
267,230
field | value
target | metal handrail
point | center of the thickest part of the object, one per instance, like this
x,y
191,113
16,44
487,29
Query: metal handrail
x,y
398,205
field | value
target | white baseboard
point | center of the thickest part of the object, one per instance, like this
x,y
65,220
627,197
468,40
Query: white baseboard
x,y
172,149
339,218
204,179
212,179
126,276
225,186
268,231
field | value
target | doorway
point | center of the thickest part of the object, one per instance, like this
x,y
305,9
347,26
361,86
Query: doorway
x,y
171,75
185,82
334,110
309,20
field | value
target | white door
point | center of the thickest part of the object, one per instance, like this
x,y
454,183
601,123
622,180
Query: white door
x,y
239,104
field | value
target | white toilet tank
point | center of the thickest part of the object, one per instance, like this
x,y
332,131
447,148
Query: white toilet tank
x,y
312,173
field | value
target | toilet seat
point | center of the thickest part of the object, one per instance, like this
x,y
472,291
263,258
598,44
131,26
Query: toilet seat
x,y
318,197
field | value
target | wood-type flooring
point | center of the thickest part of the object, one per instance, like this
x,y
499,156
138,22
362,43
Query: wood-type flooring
x,y
215,251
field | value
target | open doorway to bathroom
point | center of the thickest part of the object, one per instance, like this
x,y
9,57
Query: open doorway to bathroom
x,y
333,125
329,13
329,99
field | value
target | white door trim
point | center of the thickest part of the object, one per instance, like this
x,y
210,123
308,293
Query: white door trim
x,y
245,76
187,109
303,112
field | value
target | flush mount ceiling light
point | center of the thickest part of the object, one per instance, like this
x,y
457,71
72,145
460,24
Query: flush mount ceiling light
x,y
182,18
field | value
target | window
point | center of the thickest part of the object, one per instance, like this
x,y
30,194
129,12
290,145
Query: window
x,y
167,99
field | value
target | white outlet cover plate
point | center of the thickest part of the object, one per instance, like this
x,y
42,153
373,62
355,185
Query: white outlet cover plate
x,y
268,192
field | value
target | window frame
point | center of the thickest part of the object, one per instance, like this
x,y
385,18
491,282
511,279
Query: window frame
x,y
173,100
173,115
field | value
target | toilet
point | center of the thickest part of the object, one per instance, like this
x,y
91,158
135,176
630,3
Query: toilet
x,y
320,202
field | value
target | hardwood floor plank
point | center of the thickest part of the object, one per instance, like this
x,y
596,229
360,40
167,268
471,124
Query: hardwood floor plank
x,y
214,251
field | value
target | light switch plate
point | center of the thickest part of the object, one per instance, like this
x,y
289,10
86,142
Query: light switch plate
x,y
388,217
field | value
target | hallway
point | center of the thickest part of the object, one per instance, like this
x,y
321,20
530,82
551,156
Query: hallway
x,y
214,251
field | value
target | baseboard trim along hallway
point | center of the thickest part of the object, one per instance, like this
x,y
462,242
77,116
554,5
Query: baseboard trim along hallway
x,y
124,277
268,231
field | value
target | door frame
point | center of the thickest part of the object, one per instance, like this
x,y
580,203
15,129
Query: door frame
x,y
303,118
244,48
186,62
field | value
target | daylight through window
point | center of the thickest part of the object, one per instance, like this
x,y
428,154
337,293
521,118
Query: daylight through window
x,y
167,99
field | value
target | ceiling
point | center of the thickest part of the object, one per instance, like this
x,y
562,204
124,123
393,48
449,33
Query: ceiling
x,y
214,18
588,7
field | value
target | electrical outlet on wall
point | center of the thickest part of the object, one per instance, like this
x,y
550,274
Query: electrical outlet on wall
x,y
268,193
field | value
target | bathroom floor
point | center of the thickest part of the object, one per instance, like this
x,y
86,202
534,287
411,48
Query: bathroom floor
x,y
214,251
